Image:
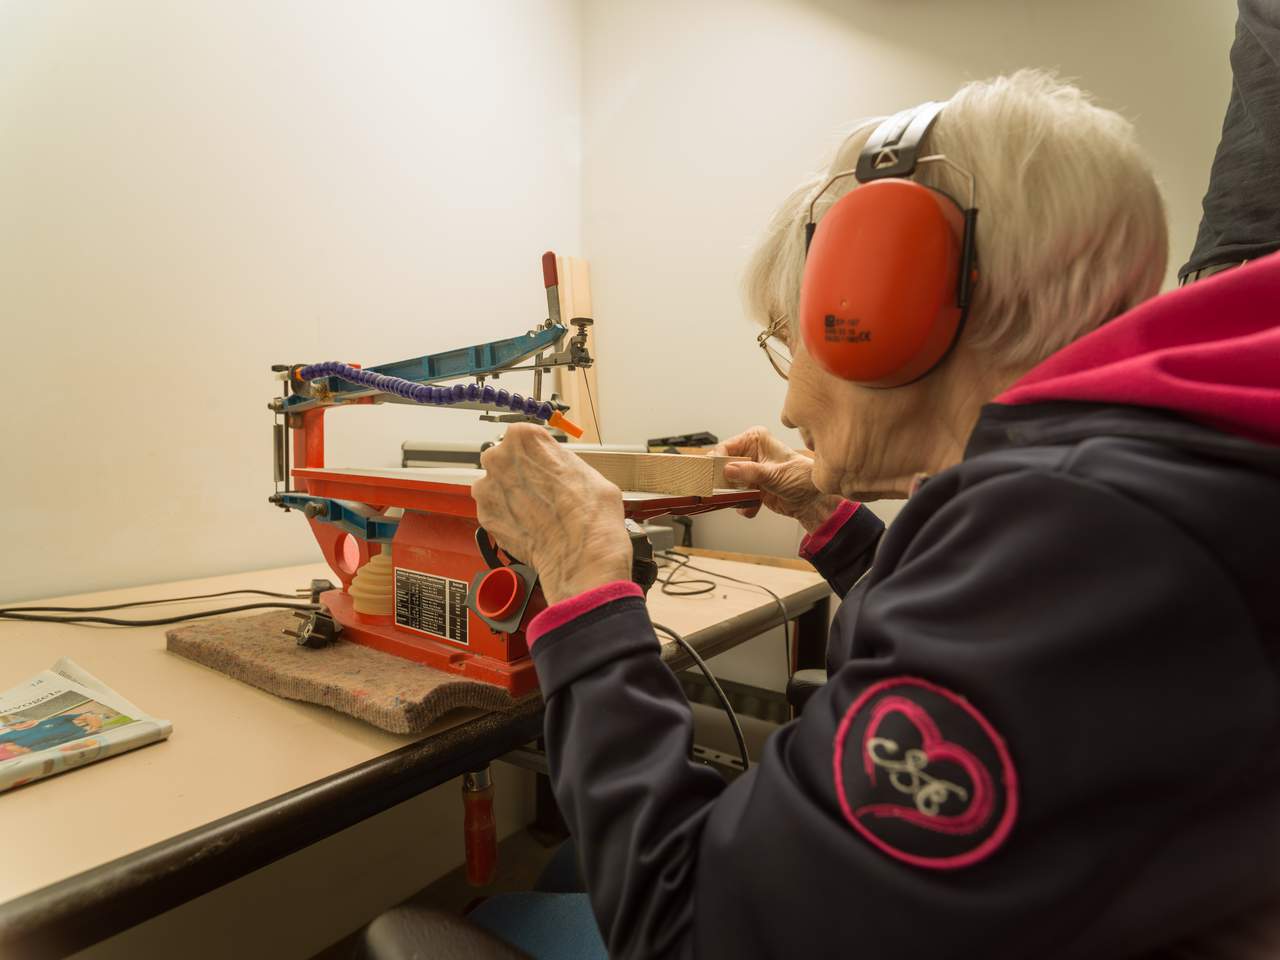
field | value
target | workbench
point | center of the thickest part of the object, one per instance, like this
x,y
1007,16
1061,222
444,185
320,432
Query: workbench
x,y
220,799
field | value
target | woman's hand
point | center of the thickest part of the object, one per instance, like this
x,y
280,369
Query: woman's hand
x,y
783,476
547,508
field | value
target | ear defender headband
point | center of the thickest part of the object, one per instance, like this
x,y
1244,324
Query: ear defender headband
x,y
889,271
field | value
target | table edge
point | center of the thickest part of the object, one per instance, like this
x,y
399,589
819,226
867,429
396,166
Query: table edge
x,y
102,901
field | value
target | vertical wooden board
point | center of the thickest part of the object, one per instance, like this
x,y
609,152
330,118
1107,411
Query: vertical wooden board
x,y
564,269
581,288
588,378
572,385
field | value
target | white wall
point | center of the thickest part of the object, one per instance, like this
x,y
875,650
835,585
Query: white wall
x,y
700,117
191,192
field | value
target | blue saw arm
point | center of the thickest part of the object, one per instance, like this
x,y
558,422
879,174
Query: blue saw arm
x,y
482,359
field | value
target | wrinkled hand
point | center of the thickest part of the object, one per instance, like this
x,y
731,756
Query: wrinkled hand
x,y
783,476
547,508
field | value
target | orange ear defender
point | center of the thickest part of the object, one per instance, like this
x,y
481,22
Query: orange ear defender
x,y
889,271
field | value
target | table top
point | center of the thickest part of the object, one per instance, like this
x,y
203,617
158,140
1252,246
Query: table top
x,y
235,746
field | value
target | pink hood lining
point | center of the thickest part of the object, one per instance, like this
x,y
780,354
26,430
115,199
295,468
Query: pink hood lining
x,y
1209,351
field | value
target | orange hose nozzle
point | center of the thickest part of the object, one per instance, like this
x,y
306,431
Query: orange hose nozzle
x,y
568,426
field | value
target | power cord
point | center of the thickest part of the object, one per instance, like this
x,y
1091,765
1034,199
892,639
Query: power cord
x,y
715,685
694,586
149,603
682,563
6,614
44,614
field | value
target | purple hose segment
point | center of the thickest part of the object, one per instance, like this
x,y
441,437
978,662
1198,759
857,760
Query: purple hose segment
x,y
428,393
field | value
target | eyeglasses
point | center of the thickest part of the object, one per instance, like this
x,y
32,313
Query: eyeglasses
x,y
772,341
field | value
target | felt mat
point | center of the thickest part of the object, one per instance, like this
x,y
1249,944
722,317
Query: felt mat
x,y
390,692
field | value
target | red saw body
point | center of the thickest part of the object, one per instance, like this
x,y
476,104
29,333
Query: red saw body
x,y
434,560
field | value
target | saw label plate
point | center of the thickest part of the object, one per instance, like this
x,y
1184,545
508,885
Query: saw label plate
x,y
433,605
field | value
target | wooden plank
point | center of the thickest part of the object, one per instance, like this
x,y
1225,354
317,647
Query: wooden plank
x,y
675,474
616,467
719,480
661,472
717,477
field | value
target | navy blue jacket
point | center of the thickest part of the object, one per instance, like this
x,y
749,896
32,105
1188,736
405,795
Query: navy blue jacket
x,y
1052,724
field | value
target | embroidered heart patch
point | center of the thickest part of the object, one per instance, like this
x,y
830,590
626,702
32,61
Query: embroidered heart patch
x,y
923,776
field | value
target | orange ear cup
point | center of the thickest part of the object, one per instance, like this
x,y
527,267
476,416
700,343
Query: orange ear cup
x,y
878,300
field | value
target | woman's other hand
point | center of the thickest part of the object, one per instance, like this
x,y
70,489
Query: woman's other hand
x,y
549,509
783,476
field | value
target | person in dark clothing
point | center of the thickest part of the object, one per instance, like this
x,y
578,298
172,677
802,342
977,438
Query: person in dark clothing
x,y
1051,726
1241,219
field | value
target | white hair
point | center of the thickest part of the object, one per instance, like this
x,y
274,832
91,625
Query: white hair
x,y
1071,230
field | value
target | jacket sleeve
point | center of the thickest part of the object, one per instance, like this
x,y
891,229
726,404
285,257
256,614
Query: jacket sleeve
x,y
618,734
844,546
1052,688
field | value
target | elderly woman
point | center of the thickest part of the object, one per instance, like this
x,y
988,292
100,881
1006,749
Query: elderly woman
x,y
1051,725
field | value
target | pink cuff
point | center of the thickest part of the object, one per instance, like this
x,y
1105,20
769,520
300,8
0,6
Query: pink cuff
x,y
815,541
558,614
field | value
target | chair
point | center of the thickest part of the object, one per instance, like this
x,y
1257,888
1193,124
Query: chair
x,y
412,932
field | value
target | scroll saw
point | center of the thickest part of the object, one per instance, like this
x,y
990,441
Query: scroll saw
x,y
420,578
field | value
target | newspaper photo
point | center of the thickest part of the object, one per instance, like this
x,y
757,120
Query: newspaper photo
x,y
64,718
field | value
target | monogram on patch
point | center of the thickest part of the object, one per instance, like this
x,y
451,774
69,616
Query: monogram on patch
x,y
923,776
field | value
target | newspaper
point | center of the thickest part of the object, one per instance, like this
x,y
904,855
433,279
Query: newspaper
x,y
64,718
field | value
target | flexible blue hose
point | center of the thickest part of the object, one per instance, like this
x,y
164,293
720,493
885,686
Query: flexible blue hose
x,y
428,393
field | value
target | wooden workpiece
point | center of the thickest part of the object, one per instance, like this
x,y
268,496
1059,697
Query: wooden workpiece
x,y
661,472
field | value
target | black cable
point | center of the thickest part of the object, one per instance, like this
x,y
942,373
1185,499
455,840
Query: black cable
x,y
113,622
149,603
697,585
715,685
782,607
